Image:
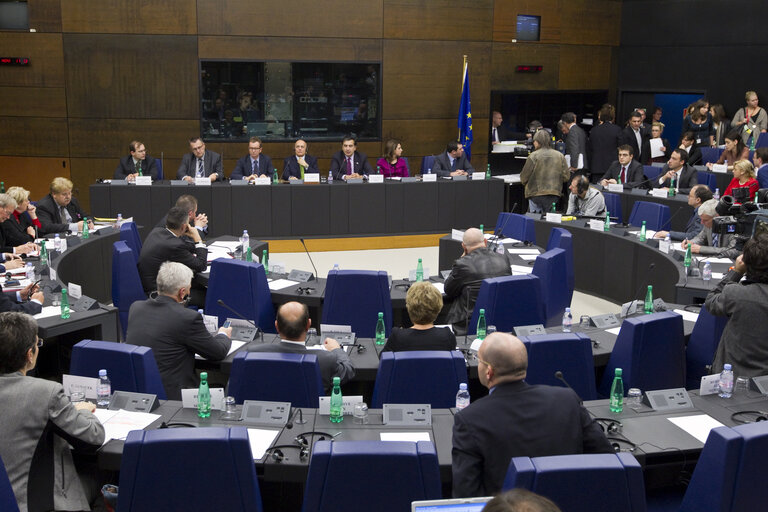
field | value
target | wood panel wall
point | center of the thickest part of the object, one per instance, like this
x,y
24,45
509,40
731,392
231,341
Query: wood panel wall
x,y
105,73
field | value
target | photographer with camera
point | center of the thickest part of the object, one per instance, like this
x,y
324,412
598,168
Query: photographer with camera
x,y
711,243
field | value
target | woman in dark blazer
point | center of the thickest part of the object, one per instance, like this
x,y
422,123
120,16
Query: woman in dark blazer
x,y
423,302
21,227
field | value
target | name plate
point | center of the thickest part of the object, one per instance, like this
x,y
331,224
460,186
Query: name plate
x,y
203,182
664,246
410,179
262,181
659,192
52,270
615,187
296,182
555,217
375,178
118,182
597,225
460,177
347,408
189,398
719,168
143,181
478,176
179,183
354,180
710,384
87,384
429,178
457,234
75,290
476,344
311,177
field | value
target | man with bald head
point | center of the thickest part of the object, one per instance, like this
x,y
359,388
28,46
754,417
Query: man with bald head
x,y
299,163
462,285
292,325
515,420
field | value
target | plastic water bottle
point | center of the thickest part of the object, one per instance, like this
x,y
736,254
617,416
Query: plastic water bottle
x,y
567,320
642,232
103,390
202,313
381,333
204,397
500,248
462,397
265,261
57,242
245,241
86,233
419,271
336,267
607,225
30,272
43,254
648,304
706,272
726,382
617,392
330,177
481,325
119,220
488,172
337,402
64,304
716,195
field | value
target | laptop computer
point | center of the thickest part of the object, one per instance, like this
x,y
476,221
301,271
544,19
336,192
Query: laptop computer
x,y
451,505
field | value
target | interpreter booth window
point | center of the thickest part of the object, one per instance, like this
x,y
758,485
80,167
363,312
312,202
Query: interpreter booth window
x,y
288,100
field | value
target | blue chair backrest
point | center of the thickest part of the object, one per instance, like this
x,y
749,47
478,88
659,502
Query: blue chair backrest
x,y
388,476
130,235
129,367
655,215
560,238
159,164
514,225
126,283
509,301
701,347
613,205
582,483
188,469
276,377
762,140
710,155
650,350
708,179
650,171
355,297
550,267
569,353
427,163
407,165
7,498
250,297
419,377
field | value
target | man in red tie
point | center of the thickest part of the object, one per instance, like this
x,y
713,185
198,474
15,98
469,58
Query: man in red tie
x,y
349,163
626,169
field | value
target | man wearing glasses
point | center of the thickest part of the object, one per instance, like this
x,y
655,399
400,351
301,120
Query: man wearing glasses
x,y
200,163
136,164
254,164
515,420
59,211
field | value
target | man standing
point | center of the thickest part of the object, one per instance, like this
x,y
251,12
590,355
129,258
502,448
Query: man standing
x,y
515,420
604,140
295,166
200,163
135,164
634,136
254,164
698,195
174,332
292,324
708,243
575,143
453,162
59,211
677,168
584,200
349,163
626,169
761,165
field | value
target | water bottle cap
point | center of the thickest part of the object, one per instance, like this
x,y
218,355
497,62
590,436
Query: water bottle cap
x,y
726,366
102,373
200,311
419,260
568,310
336,381
463,386
381,315
482,311
245,231
618,372
204,375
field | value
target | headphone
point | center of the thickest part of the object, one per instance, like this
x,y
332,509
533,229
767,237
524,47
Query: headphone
x,y
582,184
612,430
751,417
308,290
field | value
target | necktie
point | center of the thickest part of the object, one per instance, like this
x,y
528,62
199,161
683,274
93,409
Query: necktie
x,y
715,240
63,214
200,168
302,171
623,173
349,165
495,135
453,165
138,167
253,166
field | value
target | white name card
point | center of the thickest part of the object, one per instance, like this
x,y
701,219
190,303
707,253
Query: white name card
x,y
53,273
348,405
554,217
597,225
189,398
478,176
267,181
143,181
476,344
63,245
88,384
311,177
375,178
664,246
203,182
710,384
659,192
457,234
75,290
429,178
615,187
719,168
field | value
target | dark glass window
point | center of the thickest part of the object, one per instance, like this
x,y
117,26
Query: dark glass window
x,y
13,15
527,27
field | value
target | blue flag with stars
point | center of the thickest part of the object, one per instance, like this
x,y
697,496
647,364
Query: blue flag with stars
x,y
465,115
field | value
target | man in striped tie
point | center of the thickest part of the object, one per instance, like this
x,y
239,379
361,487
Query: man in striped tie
x,y
199,163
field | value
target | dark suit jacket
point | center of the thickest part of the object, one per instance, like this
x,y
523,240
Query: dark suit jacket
x,y
689,178
291,166
8,303
634,173
360,164
125,167
175,334
160,246
642,153
50,216
335,363
243,167
604,140
15,232
575,144
211,164
692,228
504,134
694,155
518,420
5,246
442,165
463,283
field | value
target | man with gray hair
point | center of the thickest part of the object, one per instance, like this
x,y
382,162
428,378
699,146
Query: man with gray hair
x,y
543,174
708,243
7,206
174,332
515,420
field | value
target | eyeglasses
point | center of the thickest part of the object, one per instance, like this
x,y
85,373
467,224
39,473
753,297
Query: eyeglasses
x,y
39,342
485,363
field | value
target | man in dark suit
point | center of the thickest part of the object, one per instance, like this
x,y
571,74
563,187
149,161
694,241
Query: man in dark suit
x,y
295,166
135,164
200,163
634,136
174,332
254,164
604,140
515,420
627,169
177,241
349,163
677,168
59,211
698,195
687,142
197,220
453,162
575,143
760,159
498,132
292,324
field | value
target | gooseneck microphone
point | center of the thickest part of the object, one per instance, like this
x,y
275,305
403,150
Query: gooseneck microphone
x,y
309,256
559,376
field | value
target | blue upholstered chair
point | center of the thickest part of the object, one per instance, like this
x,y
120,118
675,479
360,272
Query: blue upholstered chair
x,y
655,215
384,475
509,301
276,377
708,179
355,297
418,377
514,225
159,164
250,297
560,238
188,469
130,235
710,155
126,283
650,171
427,163
551,269
130,367
569,353
7,498
701,347
650,350
613,205
582,483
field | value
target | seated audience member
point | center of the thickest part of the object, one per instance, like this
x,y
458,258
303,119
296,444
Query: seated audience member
x,y
59,212
743,178
453,162
199,163
626,169
514,420
174,332
760,159
423,302
694,152
543,174
720,124
750,121
677,168
292,324
584,201
735,150
30,299
39,425
177,241
657,129
254,164
391,164
698,195
9,255
349,163
23,225
744,343
137,163
520,500
463,283
198,220
708,243
299,163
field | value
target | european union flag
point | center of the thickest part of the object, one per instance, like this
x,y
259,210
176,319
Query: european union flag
x,y
465,115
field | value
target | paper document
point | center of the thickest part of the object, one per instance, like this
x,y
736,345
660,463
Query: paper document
x,y
523,250
48,311
279,284
727,261
528,257
687,315
656,145
117,424
405,436
519,269
440,287
614,331
260,440
698,426
230,246
236,344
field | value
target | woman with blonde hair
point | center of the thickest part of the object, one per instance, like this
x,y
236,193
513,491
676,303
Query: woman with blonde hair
x,y
751,120
423,302
743,177
23,225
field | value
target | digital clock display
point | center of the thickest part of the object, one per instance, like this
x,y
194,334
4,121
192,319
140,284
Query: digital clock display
x,y
14,61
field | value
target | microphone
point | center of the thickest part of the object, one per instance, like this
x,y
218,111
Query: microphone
x,y
559,376
308,256
498,232
629,306
300,421
225,306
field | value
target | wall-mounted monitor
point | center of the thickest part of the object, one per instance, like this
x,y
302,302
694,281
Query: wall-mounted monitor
x,y
528,27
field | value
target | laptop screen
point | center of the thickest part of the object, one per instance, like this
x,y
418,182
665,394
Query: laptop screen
x,y
451,505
